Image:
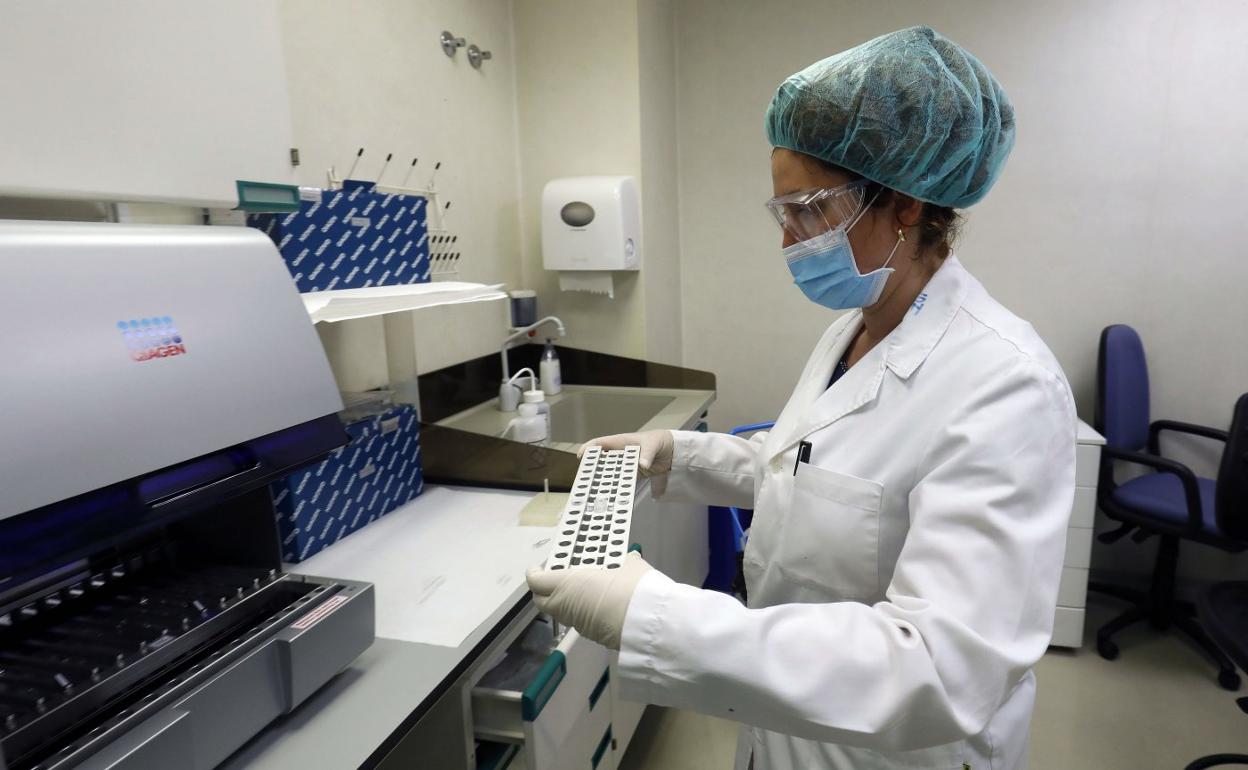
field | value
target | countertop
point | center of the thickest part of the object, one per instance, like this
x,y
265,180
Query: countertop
x,y
1086,434
344,722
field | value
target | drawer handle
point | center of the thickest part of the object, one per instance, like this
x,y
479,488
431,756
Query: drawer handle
x,y
540,690
602,747
599,688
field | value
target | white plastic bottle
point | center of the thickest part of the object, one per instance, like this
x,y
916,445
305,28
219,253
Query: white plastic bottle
x,y
552,378
530,427
538,399
509,391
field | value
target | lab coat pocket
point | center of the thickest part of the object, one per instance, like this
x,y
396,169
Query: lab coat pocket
x,y
830,541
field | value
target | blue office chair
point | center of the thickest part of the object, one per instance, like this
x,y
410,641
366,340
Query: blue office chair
x,y
1172,502
1223,611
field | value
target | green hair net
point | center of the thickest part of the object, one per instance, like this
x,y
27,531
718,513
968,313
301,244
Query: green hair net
x,y
911,110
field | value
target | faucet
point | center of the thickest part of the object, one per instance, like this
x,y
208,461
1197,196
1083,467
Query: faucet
x,y
523,332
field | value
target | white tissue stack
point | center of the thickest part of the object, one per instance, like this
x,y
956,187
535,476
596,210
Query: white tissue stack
x,y
587,280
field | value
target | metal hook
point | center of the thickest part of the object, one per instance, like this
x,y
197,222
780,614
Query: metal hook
x,y
476,56
450,43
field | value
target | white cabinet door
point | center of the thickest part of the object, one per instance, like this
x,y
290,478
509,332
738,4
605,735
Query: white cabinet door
x,y
143,100
625,714
571,703
644,528
1068,619
673,537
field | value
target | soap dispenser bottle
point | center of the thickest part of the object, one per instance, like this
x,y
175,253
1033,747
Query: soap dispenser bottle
x,y
552,378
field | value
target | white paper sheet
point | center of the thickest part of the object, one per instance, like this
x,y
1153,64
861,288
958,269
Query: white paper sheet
x,y
442,564
595,282
346,304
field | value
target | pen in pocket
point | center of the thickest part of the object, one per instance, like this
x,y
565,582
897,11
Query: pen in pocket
x,y
803,454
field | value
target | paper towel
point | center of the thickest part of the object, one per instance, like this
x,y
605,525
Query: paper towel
x,y
595,281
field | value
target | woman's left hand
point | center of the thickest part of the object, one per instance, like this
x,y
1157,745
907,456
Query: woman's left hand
x,y
593,600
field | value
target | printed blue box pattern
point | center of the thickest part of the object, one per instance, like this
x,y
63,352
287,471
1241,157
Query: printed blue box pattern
x,y
378,471
351,238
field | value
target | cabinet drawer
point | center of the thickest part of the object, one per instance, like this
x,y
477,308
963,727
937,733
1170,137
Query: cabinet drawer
x,y
625,714
1078,547
1083,510
1087,464
589,744
539,689
1073,590
1068,627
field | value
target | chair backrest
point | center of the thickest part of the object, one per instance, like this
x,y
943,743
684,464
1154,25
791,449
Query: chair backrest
x,y
737,431
1122,411
1232,493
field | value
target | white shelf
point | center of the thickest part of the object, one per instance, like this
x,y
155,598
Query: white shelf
x,y
348,304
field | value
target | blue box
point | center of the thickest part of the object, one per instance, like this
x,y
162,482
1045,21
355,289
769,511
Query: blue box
x,y
351,238
378,471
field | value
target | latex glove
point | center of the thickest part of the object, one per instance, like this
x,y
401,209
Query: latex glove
x,y
655,458
592,600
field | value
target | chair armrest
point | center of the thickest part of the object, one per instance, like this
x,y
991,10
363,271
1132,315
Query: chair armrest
x,y
1191,490
1154,432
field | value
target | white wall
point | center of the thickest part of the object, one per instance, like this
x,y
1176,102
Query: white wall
x,y
577,106
372,75
660,188
1117,205
1106,212
560,98
596,95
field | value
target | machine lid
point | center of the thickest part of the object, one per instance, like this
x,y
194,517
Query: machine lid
x,y
132,348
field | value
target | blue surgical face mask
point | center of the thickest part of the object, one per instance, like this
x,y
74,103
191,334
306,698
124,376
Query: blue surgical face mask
x,y
823,268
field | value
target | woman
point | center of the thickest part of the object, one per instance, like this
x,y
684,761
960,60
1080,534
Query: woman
x,y
911,501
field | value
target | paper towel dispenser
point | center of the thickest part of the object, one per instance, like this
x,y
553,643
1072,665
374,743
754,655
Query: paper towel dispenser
x,y
591,223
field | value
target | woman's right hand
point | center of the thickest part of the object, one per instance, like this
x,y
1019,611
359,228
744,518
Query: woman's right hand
x,y
655,458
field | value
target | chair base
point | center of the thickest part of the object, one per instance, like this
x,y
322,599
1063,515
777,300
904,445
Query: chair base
x,y
1162,611
1228,679
1215,760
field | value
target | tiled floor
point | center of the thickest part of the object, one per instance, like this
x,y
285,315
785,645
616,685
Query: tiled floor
x,y
1156,707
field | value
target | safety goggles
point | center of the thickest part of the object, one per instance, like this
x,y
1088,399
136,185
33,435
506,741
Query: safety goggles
x,y
803,215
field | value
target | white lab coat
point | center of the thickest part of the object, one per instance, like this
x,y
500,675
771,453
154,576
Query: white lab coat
x,y
903,583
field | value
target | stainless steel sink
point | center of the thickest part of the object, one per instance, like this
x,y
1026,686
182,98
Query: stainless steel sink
x,y
582,412
578,417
